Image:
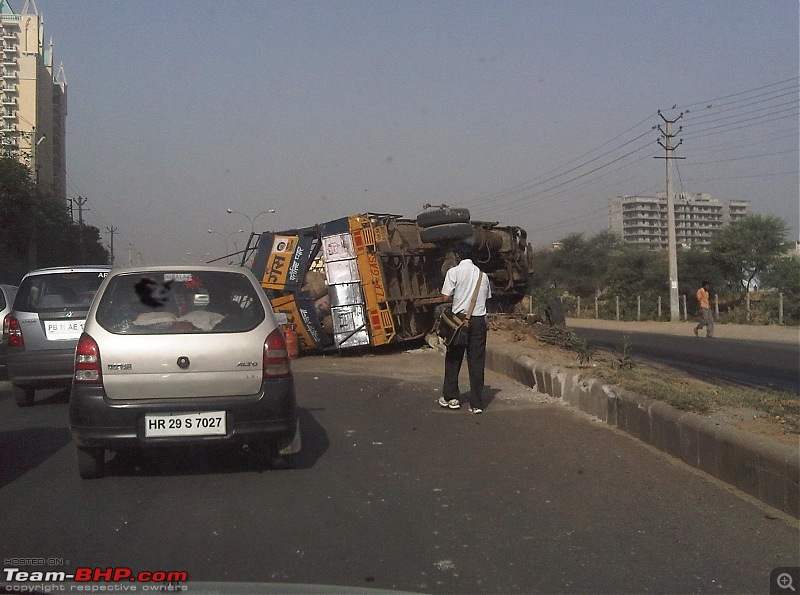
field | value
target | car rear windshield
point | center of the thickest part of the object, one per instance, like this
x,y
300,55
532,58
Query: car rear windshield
x,y
155,303
58,291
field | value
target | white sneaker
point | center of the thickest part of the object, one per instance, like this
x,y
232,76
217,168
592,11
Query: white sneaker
x,y
475,410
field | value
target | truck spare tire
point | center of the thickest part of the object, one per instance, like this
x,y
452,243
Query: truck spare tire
x,y
442,217
446,233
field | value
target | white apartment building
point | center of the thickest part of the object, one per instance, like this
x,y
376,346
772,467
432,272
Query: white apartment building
x,y
33,99
643,219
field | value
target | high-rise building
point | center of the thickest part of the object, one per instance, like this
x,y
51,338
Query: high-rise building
x,y
643,219
33,99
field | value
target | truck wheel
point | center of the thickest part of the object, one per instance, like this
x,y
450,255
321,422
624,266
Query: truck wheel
x,y
445,233
91,462
24,395
442,217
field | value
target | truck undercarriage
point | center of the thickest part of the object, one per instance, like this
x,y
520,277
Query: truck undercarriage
x,y
375,279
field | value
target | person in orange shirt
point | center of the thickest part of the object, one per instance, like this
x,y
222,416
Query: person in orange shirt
x,y
705,311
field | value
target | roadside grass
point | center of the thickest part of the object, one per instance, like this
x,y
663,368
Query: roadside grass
x,y
675,387
657,381
693,394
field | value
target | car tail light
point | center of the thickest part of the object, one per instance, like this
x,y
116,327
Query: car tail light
x,y
87,361
276,356
12,330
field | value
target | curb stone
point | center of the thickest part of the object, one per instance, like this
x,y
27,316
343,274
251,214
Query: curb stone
x,y
765,470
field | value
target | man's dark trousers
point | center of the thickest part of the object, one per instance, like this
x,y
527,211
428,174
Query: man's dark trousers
x,y
476,361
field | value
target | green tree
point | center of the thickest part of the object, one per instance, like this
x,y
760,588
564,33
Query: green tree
x,y
36,229
638,271
17,217
747,247
696,265
783,274
578,267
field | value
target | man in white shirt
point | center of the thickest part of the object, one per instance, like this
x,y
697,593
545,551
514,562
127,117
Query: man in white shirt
x,y
459,285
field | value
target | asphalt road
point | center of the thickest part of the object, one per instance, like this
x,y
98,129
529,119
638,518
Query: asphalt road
x,y
393,492
749,362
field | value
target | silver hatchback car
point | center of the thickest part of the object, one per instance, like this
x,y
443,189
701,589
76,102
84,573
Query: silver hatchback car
x,y
181,355
42,329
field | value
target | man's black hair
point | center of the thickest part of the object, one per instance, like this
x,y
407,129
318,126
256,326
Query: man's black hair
x,y
705,283
462,250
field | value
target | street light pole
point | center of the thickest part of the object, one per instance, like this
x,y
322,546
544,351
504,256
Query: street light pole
x,y
226,238
252,220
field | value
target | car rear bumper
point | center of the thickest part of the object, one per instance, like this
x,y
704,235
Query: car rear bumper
x,y
41,369
268,417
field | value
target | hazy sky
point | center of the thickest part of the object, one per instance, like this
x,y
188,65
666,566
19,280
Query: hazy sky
x,y
535,113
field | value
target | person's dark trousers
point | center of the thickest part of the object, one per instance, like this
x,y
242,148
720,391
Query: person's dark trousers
x,y
476,361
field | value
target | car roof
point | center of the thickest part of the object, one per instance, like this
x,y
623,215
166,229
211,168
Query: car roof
x,y
179,267
71,269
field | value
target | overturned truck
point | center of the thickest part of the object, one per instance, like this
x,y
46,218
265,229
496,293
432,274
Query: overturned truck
x,y
375,279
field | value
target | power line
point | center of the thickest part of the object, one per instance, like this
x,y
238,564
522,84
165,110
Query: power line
x,y
713,124
522,194
727,146
543,199
714,114
755,111
782,173
742,158
530,198
526,186
694,136
718,99
727,126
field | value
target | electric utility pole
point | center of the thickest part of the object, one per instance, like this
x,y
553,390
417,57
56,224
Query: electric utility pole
x,y
81,201
672,244
112,230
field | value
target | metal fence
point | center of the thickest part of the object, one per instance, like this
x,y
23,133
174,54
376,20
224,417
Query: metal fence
x,y
764,308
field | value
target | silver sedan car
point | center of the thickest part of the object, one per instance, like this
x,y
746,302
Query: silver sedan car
x,y
181,355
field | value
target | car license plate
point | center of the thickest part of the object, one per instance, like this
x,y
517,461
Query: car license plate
x,y
207,423
63,329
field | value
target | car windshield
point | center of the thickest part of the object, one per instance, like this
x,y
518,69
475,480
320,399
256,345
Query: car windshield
x,y
153,303
71,290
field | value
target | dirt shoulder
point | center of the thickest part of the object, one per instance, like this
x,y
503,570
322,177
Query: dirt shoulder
x,y
775,416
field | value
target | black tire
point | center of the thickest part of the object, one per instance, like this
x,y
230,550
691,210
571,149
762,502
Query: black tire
x,y
91,462
24,395
442,217
446,233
